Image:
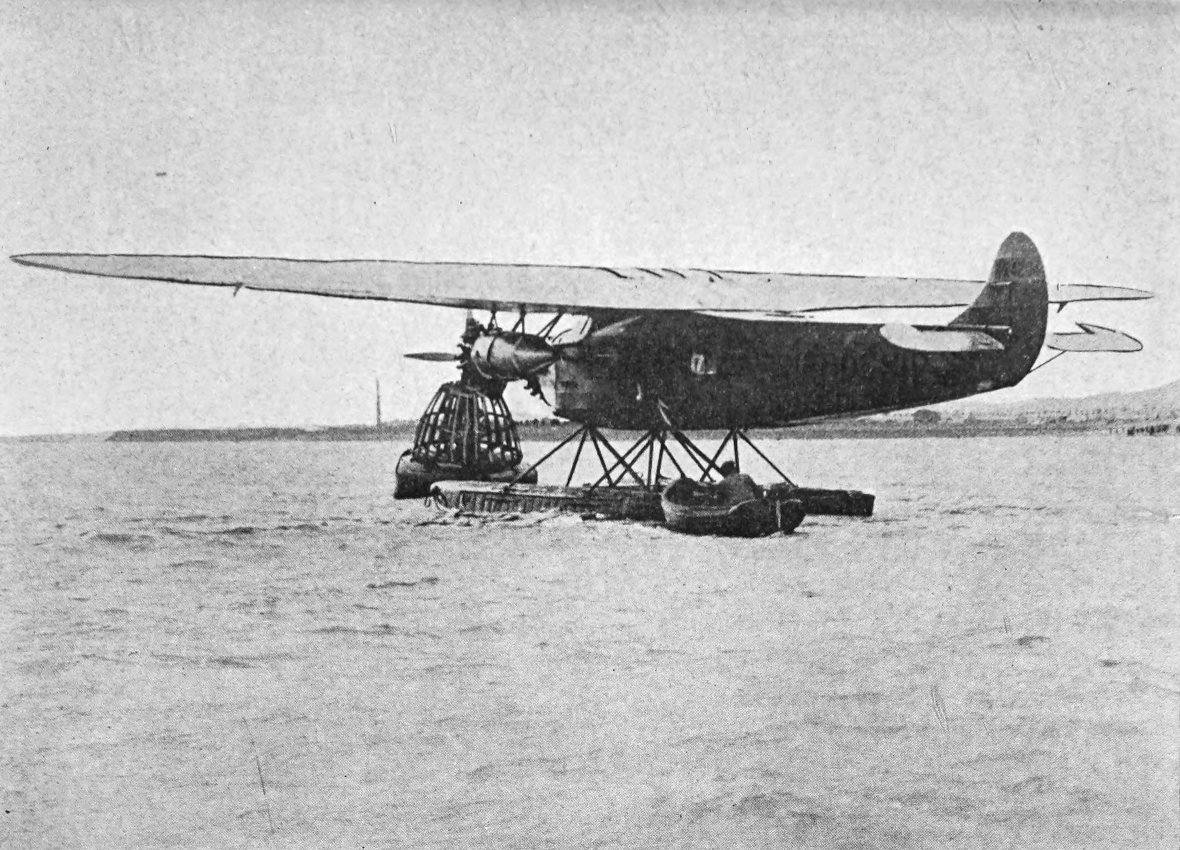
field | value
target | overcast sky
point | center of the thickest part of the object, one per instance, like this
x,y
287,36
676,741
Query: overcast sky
x,y
865,138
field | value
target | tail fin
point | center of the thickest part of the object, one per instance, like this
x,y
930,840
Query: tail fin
x,y
1016,297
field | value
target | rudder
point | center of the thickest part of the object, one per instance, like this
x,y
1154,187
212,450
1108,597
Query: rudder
x,y
1016,297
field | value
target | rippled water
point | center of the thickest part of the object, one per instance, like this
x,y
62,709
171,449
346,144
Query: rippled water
x,y
254,645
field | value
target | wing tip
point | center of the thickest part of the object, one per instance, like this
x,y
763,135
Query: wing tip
x,y
40,260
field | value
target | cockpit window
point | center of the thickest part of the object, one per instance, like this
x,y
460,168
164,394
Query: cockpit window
x,y
703,364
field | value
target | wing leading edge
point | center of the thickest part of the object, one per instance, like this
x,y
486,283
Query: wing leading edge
x,y
539,288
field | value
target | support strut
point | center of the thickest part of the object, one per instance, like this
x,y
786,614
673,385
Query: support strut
x,y
758,451
642,463
549,454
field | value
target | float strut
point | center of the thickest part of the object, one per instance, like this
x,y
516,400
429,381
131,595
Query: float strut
x,y
618,461
713,463
581,431
577,457
757,450
641,445
668,452
693,451
597,449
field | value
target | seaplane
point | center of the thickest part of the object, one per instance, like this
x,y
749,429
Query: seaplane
x,y
664,352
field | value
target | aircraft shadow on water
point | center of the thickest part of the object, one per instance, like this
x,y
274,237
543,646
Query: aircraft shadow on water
x,y
664,351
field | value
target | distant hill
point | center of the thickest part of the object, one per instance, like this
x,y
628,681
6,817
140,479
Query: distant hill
x,y
1152,403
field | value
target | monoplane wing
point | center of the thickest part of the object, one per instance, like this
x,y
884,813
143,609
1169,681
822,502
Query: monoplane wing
x,y
537,288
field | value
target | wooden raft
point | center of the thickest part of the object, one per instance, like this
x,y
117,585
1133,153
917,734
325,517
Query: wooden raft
x,y
491,498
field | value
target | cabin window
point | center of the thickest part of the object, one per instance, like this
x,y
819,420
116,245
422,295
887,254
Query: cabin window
x,y
703,364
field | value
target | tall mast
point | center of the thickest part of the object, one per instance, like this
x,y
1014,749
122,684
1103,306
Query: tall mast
x,y
378,402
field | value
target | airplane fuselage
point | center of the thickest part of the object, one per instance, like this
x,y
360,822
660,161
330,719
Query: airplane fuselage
x,y
717,373
707,371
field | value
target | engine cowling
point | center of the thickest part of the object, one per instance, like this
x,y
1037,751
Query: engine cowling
x,y
511,356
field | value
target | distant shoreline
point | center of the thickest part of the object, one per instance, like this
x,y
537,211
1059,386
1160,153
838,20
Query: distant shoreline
x,y
1152,412
338,433
849,429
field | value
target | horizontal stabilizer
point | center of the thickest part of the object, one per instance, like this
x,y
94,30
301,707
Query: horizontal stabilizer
x,y
940,339
1068,293
1093,338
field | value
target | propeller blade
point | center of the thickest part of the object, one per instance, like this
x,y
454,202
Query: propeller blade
x,y
432,356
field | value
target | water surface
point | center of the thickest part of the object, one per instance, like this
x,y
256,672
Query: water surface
x,y
248,645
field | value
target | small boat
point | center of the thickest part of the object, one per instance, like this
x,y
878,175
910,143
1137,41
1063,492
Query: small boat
x,y
694,508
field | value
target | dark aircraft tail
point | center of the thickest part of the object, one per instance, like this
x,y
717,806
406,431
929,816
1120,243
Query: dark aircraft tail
x,y
1016,297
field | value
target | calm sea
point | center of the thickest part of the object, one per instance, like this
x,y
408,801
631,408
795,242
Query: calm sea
x,y
254,645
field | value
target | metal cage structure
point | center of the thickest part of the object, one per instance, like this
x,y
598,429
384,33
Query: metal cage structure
x,y
466,428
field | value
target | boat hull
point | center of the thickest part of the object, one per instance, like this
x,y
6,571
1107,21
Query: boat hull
x,y
686,509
